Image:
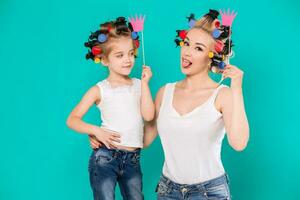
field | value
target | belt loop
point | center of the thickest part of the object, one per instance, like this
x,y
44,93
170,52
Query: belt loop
x,y
227,178
168,181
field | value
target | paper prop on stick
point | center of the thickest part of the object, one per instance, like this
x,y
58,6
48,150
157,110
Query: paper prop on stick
x,y
138,26
227,20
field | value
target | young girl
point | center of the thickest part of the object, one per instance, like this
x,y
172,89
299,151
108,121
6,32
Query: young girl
x,y
124,104
192,116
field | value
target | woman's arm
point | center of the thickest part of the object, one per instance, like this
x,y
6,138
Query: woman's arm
x,y
233,110
76,123
150,129
147,105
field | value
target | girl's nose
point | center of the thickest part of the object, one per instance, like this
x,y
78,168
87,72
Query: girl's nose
x,y
127,59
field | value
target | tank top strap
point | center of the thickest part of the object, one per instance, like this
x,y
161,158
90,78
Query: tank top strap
x,y
102,85
167,96
137,84
216,92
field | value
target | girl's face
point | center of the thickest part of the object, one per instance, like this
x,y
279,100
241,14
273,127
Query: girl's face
x,y
194,53
121,58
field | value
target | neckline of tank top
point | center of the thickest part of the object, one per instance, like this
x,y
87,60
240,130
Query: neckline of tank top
x,y
120,86
194,109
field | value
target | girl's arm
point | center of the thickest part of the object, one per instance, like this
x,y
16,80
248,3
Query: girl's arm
x,y
233,109
76,123
147,105
150,129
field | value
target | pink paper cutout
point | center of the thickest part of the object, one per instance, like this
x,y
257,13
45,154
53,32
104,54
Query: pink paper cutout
x,y
227,18
137,23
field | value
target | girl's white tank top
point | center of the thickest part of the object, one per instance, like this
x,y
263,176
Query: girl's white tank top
x,y
121,113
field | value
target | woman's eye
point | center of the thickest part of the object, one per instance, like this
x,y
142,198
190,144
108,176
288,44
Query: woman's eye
x,y
198,49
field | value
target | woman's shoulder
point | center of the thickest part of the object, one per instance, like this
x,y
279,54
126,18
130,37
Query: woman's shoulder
x,y
166,85
163,88
170,84
224,94
224,89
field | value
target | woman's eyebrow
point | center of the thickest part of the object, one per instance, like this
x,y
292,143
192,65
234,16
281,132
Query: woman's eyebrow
x,y
198,43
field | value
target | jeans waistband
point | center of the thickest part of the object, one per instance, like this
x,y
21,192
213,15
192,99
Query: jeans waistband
x,y
120,151
219,180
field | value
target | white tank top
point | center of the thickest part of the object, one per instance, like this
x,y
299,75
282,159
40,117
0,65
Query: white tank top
x,y
191,142
120,111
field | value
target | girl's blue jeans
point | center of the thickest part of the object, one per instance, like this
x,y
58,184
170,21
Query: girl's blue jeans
x,y
110,166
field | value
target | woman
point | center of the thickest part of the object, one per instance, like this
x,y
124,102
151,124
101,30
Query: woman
x,y
192,116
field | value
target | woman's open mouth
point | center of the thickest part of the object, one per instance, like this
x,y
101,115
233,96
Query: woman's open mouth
x,y
186,63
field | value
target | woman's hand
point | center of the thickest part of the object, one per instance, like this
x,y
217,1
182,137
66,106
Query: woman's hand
x,y
235,74
95,144
146,74
108,138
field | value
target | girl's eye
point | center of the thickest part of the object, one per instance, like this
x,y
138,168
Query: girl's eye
x,y
186,43
198,49
119,55
132,53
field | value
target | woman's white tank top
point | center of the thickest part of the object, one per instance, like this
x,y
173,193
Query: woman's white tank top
x,y
191,142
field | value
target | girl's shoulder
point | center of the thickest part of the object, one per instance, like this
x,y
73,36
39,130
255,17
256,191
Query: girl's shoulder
x,y
136,80
102,83
136,83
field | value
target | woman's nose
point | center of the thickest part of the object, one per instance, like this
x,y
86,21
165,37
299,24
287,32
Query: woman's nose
x,y
186,51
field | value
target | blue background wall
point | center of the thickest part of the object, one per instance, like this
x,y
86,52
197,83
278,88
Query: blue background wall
x,y
44,74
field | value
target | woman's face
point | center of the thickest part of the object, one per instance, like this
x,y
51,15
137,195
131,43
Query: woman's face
x,y
194,53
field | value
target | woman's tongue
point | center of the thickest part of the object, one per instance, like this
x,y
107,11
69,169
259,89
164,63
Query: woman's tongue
x,y
186,63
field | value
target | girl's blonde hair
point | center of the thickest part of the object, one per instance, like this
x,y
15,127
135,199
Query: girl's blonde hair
x,y
112,31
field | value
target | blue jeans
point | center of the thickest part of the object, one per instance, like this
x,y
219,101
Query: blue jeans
x,y
110,166
215,189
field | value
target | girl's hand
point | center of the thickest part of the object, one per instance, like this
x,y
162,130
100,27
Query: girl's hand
x,y
95,144
235,74
146,74
108,138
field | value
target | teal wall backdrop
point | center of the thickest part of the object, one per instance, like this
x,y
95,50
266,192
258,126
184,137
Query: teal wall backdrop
x,y
44,74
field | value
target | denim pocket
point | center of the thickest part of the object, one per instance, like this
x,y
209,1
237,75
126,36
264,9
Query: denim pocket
x,y
135,159
103,156
220,192
162,189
